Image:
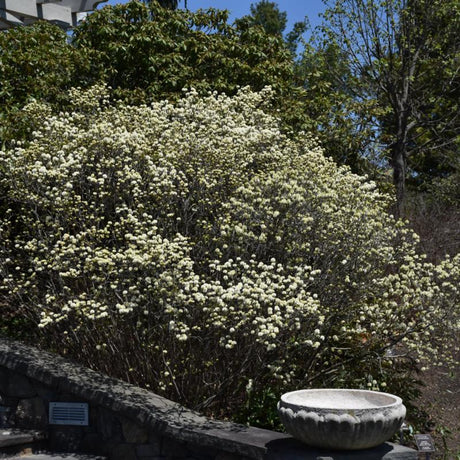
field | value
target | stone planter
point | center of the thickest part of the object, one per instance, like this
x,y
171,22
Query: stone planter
x,y
341,419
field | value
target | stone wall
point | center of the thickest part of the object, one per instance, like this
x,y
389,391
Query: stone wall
x,y
129,423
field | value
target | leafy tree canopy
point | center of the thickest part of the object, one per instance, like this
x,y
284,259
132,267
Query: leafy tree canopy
x,y
158,52
144,52
334,113
35,62
268,15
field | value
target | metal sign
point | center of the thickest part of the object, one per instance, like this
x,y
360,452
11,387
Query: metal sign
x,y
424,443
68,413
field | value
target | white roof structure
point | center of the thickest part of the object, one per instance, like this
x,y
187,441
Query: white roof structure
x,y
60,12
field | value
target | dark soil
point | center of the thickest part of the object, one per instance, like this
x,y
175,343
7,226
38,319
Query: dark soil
x,y
441,400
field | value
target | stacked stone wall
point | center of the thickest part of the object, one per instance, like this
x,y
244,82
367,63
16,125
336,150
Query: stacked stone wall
x,y
129,423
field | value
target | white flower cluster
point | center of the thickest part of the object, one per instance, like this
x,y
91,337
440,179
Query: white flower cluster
x,y
223,249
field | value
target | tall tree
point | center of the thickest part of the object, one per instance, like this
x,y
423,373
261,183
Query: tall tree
x,y
169,4
393,46
268,15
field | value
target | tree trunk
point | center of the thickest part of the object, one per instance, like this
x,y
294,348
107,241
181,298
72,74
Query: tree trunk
x,y
399,147
399,165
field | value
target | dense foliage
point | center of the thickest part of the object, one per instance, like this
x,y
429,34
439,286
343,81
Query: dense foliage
x,y
351,91
158,52
145,53
337,115
215,257
36,62
268,15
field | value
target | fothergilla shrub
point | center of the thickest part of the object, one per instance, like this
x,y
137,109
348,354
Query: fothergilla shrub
x,y
194,249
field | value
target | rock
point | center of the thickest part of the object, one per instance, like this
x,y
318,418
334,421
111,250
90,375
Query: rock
x,y
123,452
172,448
20,387
31,413
134,433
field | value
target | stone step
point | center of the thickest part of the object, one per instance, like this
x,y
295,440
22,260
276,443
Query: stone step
x,y
14,442
10,437
30,445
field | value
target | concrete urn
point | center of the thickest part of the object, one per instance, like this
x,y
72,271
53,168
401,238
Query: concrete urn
x,y
341,419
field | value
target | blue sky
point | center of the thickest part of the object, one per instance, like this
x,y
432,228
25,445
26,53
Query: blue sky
x,y
296,9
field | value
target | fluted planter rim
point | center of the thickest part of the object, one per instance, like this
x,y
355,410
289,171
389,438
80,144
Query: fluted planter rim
x,y
343,419
286,399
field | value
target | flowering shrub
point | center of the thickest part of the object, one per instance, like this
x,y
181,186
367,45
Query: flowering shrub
x,y
194,249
